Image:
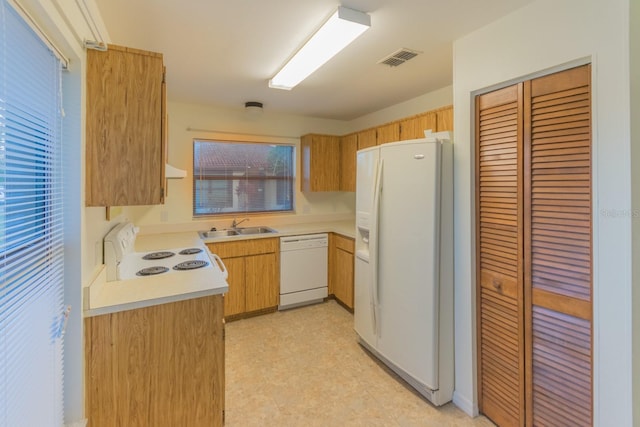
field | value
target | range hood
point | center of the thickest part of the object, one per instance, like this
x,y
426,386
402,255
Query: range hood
x,y
172,172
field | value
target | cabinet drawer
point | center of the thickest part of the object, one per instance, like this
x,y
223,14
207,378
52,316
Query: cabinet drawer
x,y
496,282
344,243
244,247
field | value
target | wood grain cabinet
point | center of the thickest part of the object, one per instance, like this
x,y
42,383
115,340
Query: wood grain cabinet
x,y
254,275
444,119
388,133
341,266
367,138
348,149
414,127
126,141
160,366
320,163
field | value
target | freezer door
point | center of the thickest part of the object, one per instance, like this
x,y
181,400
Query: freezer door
x,y
408,238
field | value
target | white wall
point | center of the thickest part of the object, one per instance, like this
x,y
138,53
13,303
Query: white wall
x,y
542,36
634,49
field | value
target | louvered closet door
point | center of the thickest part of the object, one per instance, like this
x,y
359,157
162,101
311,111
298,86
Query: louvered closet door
x,y
499,255
558,272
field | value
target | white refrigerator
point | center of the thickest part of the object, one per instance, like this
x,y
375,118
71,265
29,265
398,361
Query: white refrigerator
x,y
404,260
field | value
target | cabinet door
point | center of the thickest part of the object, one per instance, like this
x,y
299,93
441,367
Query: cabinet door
x,y
414,127
388,133
234,299
140,365
348,148
344,277
367,138
262,281
125,153
320,163
444,119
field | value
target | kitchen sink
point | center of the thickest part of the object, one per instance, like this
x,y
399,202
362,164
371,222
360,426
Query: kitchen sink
x,y
255,230
231,232
218,233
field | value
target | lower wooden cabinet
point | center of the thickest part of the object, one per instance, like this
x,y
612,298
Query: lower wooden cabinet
x,y
254,274
341,274
156,366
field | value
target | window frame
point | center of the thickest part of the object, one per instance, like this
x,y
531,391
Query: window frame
x,y
291,178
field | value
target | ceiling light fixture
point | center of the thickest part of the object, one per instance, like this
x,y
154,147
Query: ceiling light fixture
x,y
343,27
253,107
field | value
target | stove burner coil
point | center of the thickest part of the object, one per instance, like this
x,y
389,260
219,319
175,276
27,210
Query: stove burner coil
x,y
158,255
150,271
190,251
191,265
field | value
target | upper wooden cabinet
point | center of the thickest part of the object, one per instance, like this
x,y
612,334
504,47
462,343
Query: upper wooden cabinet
x,y
320,163
414,127
388,133
125,127
348,149
444,119
367,138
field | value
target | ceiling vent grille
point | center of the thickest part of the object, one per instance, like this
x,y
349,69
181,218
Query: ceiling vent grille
x,y
399,57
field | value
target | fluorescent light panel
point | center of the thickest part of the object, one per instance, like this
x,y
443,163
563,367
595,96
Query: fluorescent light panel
x,y
338,32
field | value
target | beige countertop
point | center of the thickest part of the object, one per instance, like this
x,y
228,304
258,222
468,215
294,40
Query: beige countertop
x,y
103,297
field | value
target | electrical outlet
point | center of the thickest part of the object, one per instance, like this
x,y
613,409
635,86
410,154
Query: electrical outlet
x,y
306,209
164,216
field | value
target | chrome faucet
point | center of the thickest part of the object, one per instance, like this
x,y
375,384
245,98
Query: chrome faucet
x,y
236,223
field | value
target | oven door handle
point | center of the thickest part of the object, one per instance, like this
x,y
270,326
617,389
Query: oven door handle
x,y
223,267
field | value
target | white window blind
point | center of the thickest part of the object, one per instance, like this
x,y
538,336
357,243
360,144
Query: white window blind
x,y
31,228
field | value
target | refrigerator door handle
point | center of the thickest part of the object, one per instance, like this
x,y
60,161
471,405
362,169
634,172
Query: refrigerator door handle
x,y
373,244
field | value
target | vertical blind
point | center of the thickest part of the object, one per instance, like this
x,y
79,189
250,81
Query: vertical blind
x,y
31,228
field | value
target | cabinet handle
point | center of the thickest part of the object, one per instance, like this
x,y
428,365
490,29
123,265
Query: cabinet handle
x,y
497,284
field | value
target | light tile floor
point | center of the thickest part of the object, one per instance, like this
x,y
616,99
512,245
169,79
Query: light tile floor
x,y
304,367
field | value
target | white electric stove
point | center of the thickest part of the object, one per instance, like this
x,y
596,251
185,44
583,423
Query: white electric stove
x,y
123,263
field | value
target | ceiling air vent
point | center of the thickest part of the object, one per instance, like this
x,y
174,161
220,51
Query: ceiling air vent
x,y
399,57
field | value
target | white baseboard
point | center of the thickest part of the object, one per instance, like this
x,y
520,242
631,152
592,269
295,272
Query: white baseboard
x,y
465,404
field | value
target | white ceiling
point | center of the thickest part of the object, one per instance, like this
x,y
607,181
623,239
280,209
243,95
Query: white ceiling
x,y
223,53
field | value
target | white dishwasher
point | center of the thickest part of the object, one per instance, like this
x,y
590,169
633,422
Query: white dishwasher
x,y
303,270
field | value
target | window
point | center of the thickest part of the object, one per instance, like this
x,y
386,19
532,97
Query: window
x,y
31,227
242,177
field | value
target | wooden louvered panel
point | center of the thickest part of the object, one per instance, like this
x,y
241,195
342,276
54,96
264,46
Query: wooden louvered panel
x,y
558,262
499,254
561,369
565,266
500,358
